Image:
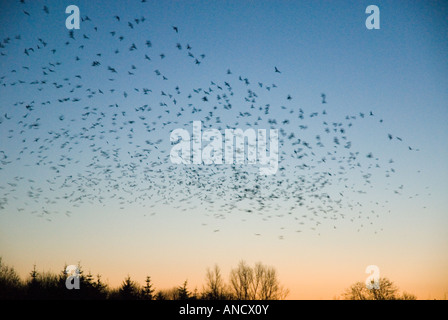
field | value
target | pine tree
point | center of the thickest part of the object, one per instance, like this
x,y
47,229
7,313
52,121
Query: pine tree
x,y
128,290
183,292
100,288
33,285
147,292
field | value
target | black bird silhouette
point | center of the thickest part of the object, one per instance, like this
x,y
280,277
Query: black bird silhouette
x,y
323,96
276,70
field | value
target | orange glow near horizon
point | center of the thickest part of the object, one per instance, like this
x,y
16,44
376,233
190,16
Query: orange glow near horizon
x,y
312,267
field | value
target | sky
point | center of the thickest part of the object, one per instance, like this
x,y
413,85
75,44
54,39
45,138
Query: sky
x,y
85,172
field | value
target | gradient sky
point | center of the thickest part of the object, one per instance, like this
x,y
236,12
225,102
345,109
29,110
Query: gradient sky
x,y
399,73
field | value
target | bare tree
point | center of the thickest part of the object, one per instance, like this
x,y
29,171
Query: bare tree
x,y
271,288
241,281
407,296
386,290
215,286
258,283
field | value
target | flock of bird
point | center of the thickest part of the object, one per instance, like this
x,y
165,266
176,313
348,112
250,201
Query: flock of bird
x,y
84,130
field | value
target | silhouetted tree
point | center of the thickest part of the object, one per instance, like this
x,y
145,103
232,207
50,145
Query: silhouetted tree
x,y
241,280
92,289
168,294
129,290
183,293
49,285
62,276
33,287
63,292
148,291
11,287
100,288
215,287
195,294
268,286
42,285
386,290
87,283
407,296
160,296
258,283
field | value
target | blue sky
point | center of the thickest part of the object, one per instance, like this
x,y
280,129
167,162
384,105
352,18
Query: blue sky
x,y
399,73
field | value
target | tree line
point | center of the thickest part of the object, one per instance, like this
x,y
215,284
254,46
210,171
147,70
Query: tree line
x,y
245,282
259,282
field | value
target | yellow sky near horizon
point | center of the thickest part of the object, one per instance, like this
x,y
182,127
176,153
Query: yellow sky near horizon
x,y
318,265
